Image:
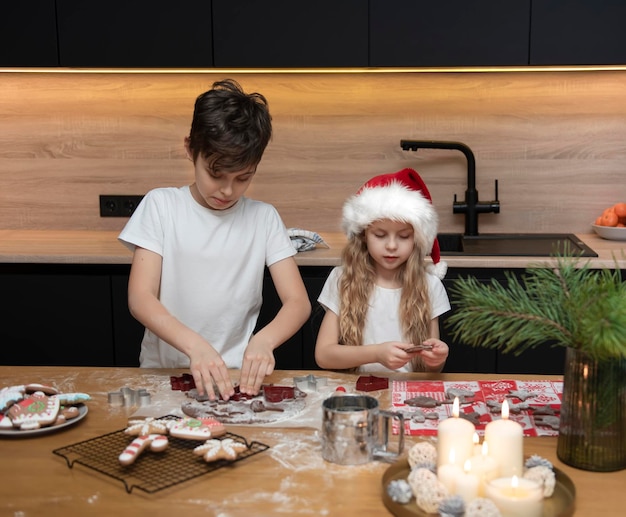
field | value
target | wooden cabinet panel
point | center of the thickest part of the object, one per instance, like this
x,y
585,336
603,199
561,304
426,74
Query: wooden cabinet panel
x,y
283,33
55,316
28,34
139,33
449,33
583,32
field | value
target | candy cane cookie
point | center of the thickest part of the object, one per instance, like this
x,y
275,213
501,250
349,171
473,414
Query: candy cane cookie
x,y
156,442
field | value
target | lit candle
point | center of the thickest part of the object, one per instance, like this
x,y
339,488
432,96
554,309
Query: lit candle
x,y
467,484
477,446
516,497
484,467
449,473
505,439
456,434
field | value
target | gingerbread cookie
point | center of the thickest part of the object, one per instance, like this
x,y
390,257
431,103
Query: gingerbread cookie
x,y
5,422
66,413
214,450
46,390
9,395
196,428
34,411
156,443
148,426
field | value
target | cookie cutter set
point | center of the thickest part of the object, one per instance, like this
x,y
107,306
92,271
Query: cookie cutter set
x,y
129,397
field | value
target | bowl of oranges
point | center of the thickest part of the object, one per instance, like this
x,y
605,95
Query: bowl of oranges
x,y
612,223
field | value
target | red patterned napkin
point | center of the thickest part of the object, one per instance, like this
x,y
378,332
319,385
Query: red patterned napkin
x,y
542,395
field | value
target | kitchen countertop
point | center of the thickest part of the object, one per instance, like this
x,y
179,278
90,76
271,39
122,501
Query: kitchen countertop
x,y
289,478
102,247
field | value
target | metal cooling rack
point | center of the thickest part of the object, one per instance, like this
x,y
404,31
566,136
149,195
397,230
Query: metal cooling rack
x,y
152,471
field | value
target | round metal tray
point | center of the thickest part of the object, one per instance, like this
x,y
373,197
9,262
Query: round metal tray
x,y
560,504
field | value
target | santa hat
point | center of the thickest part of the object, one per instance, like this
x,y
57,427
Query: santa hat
x,y
399,196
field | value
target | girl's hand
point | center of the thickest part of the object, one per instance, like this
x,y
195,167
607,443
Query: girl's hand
x,y
435,358
392,354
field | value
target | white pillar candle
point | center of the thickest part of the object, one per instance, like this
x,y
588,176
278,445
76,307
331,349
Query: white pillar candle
x,y
448,474
516,497
484,467
455,434
467,484
505,440
477,446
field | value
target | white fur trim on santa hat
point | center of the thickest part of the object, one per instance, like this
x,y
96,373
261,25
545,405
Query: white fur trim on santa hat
x,y
393,201
439,269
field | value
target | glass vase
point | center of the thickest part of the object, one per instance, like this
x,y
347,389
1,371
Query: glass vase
x,y
592,430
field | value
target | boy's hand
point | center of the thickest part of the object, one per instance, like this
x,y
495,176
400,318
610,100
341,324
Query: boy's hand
x,y
258,361
209,372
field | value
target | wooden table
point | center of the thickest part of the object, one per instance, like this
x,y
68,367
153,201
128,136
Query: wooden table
x,y
290,478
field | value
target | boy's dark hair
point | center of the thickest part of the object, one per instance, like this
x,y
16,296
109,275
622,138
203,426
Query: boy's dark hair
x,y
230,128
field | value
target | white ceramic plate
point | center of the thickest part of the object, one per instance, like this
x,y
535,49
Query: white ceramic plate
x,y
16,433
612,233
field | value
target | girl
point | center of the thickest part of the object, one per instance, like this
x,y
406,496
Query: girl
x,y
385,296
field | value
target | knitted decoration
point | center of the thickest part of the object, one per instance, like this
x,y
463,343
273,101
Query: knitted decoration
x,y
544,476
422,453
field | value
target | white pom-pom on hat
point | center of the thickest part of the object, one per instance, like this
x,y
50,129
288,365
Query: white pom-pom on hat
x,y
399,196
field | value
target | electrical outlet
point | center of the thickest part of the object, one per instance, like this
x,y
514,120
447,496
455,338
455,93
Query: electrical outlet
x,y
118,206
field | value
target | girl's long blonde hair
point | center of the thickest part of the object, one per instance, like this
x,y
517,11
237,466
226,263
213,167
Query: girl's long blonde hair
x,y
357,284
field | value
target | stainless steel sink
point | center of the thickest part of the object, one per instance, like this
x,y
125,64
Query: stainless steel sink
x,y
513,244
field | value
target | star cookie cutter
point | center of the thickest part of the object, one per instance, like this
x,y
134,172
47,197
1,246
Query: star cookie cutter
x,y
310,382
129,397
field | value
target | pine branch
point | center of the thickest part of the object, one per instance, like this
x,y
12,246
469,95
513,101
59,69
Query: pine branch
x,y
566,305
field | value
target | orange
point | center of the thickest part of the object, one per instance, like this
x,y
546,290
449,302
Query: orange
x,y
620,209
609,218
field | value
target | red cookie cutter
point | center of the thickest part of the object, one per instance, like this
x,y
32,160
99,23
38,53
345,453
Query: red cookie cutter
x,y
183,383
372,383
278,393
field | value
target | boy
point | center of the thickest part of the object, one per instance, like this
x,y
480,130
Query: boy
x,y
200,252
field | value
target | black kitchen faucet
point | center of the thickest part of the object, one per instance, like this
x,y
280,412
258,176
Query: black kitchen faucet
x,y
471,207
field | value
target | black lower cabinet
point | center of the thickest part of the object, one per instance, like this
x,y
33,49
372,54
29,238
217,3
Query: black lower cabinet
x,y
77,315
544,359
127,331
298,353
56,315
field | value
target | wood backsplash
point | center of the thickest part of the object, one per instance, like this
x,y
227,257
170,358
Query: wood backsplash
x,y
556,141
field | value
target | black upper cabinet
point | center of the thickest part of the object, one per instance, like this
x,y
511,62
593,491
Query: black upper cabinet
x,y
449,33
284,33
135,33
28,34
578,32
